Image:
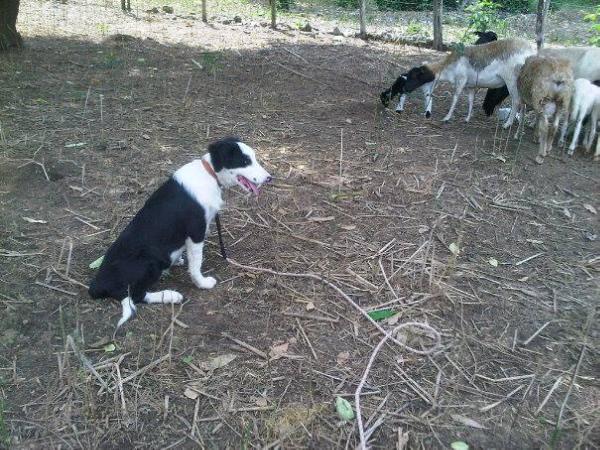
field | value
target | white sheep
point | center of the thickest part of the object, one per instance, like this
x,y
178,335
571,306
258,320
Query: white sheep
x,y
585,101
585,61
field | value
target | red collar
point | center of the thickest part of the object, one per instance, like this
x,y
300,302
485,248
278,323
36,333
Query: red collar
x,y
210,170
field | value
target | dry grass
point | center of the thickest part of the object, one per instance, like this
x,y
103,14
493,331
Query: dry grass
x,y
90,128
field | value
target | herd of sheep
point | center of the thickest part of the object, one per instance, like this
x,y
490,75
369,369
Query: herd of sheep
x,y
561,85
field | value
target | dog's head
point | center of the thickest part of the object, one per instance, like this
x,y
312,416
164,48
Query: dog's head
x,y
235,164
408,82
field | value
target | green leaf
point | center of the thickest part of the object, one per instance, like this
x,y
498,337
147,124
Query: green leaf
x,y
381,314
188,359
109,348
97,263
344,409
459,445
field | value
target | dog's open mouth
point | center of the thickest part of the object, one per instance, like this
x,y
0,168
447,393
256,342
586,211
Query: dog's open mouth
x,y
248,185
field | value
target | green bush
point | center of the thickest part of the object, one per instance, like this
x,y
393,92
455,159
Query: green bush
x,y
595,28
517,6
412,5
285,5
483,16
347,3
570,4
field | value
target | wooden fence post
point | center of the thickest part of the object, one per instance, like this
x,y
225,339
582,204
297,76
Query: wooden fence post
x,y
273,13
438,41
362,14
542,11
204,16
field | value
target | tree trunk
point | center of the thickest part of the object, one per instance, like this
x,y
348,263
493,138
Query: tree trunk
x,y
542,11
362,15
273,13
438,41
9,37
204,16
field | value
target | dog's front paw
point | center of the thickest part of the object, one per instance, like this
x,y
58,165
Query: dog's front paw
x,y
172,296
180,261
205,282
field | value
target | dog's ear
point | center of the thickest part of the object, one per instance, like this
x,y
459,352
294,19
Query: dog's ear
x,y
228,154
215,150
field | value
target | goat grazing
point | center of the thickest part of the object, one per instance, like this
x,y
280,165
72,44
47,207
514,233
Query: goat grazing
x,y
488,65
586,101
546,86
399,86
585,62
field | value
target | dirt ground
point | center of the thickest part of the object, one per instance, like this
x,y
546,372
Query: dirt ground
x,y
369,200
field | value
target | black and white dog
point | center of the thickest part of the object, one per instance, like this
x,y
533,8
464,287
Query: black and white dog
x,y
175,218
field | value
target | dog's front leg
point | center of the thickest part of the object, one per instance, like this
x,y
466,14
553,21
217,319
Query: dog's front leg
x,y
194,255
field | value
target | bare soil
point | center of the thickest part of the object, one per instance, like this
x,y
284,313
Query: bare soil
x,y
91,123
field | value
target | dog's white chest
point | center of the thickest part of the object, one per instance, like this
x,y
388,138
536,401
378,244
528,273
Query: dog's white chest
x,y
201,186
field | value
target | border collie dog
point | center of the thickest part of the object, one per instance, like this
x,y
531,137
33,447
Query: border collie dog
x,y
175,218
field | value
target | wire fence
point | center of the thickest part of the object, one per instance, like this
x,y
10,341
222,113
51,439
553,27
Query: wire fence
x,y
403,21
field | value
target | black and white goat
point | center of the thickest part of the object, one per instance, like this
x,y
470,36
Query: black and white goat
x,y
489,65
175,218
401,83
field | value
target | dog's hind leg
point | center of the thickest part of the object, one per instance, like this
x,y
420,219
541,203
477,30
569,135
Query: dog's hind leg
x,y
129,311
165,297
194,254
141,275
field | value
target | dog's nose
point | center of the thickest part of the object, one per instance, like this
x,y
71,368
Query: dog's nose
x,y
268,179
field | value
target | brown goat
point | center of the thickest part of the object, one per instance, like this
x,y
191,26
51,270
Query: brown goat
x,y
546,86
